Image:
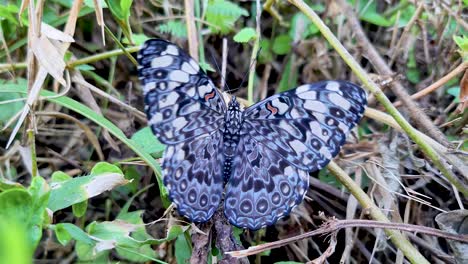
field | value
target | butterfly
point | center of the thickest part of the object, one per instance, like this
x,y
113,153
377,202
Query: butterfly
x,y
255,160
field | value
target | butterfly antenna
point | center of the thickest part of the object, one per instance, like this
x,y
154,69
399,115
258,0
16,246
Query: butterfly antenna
x,y
219,70
250,68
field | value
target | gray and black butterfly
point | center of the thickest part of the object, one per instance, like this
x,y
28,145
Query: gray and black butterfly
x,y
259,158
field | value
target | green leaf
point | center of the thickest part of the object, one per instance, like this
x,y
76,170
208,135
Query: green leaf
x,y
148,142
17,206
9,13
183,250
139,253
265,55
8,110
368,12
60,176
221,15
138,39
245,35
79,209
40,193
104,176
120,10
133,176
462,42
14,243
454,91
282,44
128,238
7,185
66,231
175,28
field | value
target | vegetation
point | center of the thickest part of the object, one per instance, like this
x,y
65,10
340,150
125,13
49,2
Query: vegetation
x,y
80,176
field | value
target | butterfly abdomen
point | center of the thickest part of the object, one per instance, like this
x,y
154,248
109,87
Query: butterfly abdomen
x,y
231,136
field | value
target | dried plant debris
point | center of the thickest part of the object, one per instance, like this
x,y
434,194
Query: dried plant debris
x,y
86,177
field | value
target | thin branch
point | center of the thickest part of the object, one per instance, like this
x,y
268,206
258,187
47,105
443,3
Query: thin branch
x,y
333,226
460,69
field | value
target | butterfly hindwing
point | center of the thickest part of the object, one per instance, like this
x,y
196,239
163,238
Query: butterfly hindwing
x,y
181,101
193,175
308,125
263,187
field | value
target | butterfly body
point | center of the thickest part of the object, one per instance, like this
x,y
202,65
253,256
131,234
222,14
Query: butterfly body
x,y
231,135
258,159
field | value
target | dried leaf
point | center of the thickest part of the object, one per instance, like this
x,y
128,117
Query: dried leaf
x,y
49,57
55,34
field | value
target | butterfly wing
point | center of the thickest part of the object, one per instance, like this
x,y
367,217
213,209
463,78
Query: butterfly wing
x,y
181,101
185,112
194,176
263,187
308,125
282,138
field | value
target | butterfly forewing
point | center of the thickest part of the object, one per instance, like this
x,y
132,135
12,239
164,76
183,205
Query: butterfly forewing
x,y
185,111
308,125
181,101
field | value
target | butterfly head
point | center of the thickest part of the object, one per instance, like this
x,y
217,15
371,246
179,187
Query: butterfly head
x,y
234,105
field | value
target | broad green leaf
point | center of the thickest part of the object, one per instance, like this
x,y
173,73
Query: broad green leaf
x,y
17,206
14,242
245,35
282,44
7,185
183,249
140,253
103,177
128,238
148,142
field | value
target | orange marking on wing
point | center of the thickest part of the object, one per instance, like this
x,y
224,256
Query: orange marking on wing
x,y
210,95
271,108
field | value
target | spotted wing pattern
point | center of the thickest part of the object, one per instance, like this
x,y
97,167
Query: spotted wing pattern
x,y
282,139
186,112
263,187
308,125
181,101
194,176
